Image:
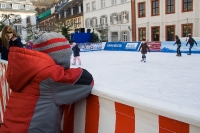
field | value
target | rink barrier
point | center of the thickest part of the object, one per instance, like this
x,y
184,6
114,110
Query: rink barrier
x,y
109,111
155,46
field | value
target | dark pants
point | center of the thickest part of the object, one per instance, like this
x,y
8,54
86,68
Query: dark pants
x,y
143,56
190,48
178,50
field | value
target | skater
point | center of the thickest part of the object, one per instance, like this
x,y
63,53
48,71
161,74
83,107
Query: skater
x,y
178,42
191,41
76,51
144,47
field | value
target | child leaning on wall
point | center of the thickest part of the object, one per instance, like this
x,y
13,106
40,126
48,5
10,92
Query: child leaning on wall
x,y
42,81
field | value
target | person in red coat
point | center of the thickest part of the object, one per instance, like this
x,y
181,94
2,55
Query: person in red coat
x,y
42,82
144,47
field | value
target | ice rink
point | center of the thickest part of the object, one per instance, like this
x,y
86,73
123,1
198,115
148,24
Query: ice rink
x,y
164,77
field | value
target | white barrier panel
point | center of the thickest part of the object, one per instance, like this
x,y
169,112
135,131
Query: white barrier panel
x,y
4,89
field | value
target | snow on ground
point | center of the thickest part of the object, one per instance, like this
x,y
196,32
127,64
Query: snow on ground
x,y
163,77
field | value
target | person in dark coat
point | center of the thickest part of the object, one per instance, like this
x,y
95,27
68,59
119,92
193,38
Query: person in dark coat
x,y
144,47
178,42
76,52
191,41
9,38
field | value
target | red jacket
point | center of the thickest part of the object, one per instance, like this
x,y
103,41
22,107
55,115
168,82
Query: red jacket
x,y
39,88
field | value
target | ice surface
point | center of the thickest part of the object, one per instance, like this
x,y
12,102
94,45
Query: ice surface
x,y
164,77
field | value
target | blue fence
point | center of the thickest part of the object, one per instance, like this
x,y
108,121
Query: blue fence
x,y
164,46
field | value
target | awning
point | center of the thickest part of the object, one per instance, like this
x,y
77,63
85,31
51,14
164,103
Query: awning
x,y
44,15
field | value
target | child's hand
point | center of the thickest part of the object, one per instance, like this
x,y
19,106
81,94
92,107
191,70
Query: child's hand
x,y
13,38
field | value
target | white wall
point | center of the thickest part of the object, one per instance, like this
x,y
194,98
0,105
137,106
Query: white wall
x,y
108,10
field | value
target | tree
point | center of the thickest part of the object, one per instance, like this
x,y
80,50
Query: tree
x,y
94,37
65,32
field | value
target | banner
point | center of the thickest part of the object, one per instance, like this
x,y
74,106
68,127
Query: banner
x,y
168,46
122,46
154,46
87,47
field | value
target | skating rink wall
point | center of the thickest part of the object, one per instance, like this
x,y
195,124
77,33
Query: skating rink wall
x,y
108,111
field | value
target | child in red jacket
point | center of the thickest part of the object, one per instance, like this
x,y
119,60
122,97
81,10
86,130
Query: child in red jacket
x,y
42,81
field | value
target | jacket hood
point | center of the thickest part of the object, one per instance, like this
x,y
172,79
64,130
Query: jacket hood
x,y
24,64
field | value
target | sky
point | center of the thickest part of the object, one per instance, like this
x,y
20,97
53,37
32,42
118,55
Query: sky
x,y
164,77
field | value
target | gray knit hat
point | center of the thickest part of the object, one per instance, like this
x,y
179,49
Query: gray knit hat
x,y
56,46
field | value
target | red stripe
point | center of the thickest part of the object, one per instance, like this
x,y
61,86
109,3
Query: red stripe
x,y
51,41
125,118
68,125
56,48
92,114
167,125
2,107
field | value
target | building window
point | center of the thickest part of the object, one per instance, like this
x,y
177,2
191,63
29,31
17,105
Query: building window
x,y
15,6
123,1
72,11
170,32
154,7
142,34
3,5
125,36
27,7
124,17
94,22
187,5
170,6
79,22
87,7
87,24
103,20
186,29
93,5
141,9
79,8
28,20
155,32
114,36
75,23
103,4
114,18
17,29
114,2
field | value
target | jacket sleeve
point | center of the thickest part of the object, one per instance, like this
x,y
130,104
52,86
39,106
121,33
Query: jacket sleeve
x,y
65,93
18,42
140,46
195,41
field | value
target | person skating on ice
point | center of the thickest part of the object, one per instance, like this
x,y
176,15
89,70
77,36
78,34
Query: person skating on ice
x,y
178,42
76,53
191,41
144,47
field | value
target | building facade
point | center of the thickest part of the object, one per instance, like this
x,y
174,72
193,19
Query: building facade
x,y
71,13
20,14
161,20
110,19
